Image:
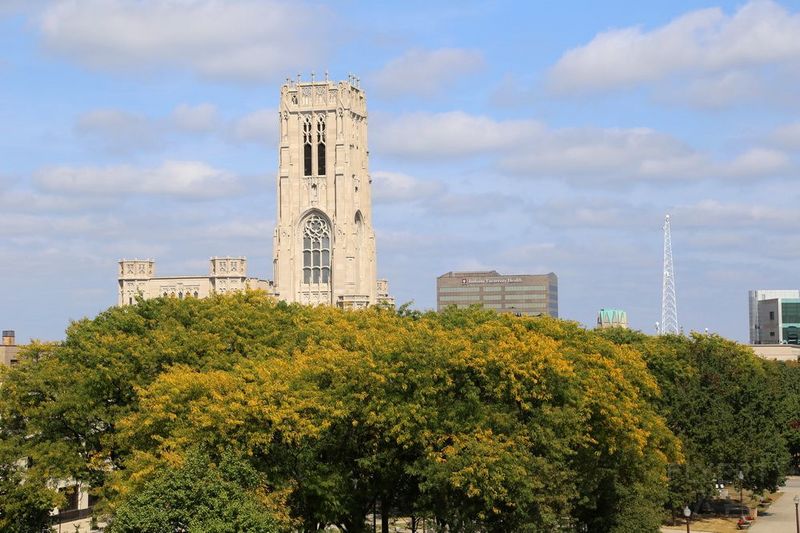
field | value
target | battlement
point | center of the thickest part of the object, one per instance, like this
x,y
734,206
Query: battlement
x,y
137,268
228,267
324,95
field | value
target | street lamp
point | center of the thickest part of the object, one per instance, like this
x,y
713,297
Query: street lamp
x,y
741,501
796,516
687,513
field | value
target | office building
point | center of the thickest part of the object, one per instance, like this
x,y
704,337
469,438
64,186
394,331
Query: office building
x,y
754,297
612,318
779,321
523,294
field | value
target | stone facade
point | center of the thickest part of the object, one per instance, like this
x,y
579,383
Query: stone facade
x,y
226,274
324,245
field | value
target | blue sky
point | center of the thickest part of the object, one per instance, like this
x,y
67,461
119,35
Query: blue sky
x,y
525,137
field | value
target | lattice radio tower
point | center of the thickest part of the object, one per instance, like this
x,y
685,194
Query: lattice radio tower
x,y
669,305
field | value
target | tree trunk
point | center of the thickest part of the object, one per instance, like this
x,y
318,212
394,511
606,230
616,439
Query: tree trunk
x,y
384,517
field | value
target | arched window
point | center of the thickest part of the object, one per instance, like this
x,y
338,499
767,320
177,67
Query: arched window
x,y
316,250
307,158
321,145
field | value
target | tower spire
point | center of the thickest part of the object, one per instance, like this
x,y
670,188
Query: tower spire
x,y
669,304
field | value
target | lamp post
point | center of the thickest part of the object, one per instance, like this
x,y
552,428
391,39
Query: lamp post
x,y
796,516
687,513
741,500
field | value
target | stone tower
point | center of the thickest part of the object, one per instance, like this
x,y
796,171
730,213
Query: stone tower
x,y
133,277
324,246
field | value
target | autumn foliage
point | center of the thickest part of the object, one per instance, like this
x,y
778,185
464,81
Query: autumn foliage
x,y
294,418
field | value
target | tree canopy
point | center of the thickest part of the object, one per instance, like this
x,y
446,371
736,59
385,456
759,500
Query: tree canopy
x,y
297,417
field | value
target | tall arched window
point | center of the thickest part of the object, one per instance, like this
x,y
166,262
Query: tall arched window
x,y
321,145
316,250
307,157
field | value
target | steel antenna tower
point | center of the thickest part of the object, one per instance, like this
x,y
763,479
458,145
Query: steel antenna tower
x,y
669,304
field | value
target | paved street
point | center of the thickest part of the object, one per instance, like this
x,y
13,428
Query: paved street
x,y
780,517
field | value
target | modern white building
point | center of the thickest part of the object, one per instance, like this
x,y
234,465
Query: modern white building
x,y
757,295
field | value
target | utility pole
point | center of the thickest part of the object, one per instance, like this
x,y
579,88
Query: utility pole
x,y
669,305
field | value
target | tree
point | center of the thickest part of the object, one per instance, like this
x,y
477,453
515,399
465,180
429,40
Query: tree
x,y
197,496
478,421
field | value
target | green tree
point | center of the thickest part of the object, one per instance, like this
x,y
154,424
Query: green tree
x,y
197,496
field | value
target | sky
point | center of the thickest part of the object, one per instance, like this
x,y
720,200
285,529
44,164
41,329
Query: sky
x,y
522,137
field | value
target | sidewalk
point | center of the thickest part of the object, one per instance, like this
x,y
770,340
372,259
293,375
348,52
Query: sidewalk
x,y
780,516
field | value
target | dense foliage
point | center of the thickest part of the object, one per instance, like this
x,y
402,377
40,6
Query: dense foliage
x,y
237,413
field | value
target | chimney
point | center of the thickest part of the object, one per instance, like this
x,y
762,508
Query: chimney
x,y
8,337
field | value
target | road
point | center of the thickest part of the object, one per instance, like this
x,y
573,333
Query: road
x,y
780,516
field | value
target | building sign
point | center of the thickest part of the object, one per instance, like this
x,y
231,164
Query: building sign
x,y
486,281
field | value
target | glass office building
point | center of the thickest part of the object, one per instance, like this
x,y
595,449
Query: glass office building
x,y
523,294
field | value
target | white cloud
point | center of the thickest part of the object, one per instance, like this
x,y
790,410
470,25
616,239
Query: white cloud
x,y
201,118
187,179
260,126
757,162
119,131
251,40
704,41
394,187
529,148
787,136
614,154
453,133
709,213
426,72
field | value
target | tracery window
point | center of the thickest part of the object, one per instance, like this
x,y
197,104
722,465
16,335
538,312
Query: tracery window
x,y
307,157
321,145
316,250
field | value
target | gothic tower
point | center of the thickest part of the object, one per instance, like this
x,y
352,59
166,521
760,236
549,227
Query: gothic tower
x,y
323,245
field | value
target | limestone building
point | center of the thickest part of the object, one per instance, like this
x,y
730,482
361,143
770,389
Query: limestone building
x,y
226,274
323,244
522,294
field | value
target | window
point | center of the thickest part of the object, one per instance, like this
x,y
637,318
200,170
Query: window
x,y
316,250
790,312
307,158
772,315
321,145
